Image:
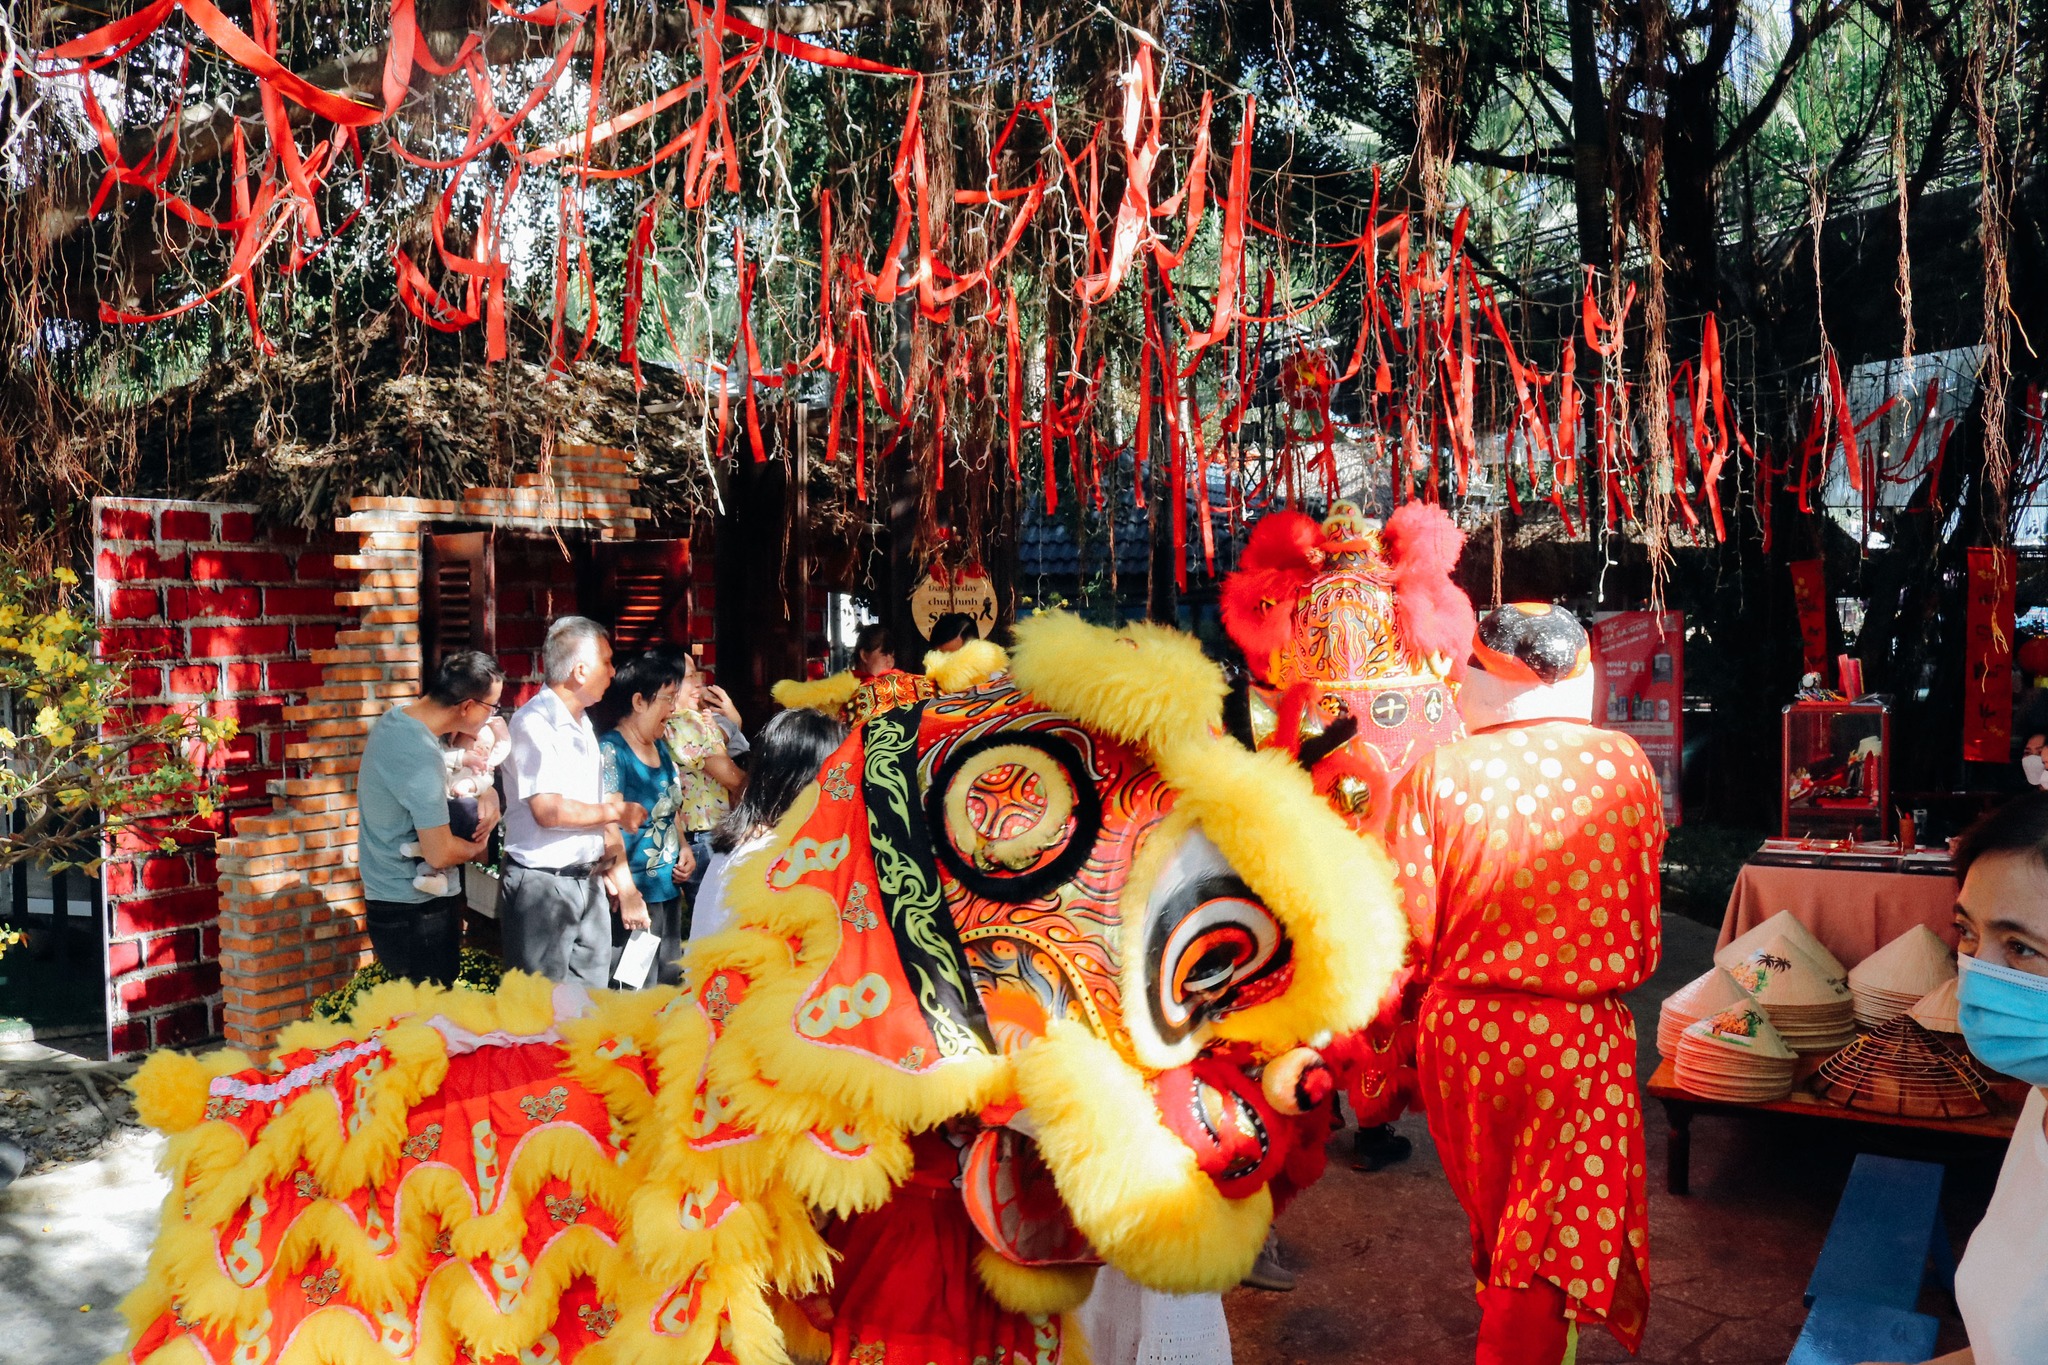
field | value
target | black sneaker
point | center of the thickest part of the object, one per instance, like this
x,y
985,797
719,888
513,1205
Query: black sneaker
x,y
1373,1149
1267,1272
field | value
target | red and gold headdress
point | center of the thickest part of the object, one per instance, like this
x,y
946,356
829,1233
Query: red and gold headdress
x,y
1356,634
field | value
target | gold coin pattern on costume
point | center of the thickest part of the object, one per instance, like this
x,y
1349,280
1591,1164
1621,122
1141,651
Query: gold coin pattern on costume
x,y
1547,838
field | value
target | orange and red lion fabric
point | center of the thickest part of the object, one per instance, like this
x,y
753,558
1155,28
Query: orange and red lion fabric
x,y
1027,982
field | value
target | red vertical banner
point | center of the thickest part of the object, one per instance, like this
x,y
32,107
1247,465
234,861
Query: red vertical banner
x,y
1639,689
1810,598
1987,675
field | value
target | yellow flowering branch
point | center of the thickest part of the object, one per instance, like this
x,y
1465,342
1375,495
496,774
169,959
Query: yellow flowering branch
x,y
81,763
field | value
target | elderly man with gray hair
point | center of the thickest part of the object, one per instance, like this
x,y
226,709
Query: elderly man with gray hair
x,y
554,913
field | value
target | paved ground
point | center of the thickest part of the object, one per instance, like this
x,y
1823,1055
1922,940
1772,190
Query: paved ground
x,y
1383,1257
73,1242
75,1231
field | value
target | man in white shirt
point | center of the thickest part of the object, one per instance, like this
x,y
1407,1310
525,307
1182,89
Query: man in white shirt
x,y
554,914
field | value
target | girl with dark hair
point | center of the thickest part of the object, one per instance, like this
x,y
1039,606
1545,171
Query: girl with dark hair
x,y
639,768
874,651
953,630
2002,1005
788,754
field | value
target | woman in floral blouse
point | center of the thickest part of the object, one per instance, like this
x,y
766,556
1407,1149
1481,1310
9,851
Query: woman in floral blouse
x,y
703,757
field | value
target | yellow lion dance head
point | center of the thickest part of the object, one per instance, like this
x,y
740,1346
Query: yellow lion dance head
x,y
1030,958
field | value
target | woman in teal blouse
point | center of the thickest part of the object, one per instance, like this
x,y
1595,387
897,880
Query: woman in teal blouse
x,y
637,767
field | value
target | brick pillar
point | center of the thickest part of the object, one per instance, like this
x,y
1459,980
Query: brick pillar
x,y
218,613
291,901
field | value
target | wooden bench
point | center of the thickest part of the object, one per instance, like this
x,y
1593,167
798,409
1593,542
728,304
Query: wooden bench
x,y
1863,1296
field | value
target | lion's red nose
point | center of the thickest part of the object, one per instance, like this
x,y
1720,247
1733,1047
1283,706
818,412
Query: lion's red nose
x,y
1297,1081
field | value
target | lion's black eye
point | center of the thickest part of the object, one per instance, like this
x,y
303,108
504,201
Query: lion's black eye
x,y
1212,937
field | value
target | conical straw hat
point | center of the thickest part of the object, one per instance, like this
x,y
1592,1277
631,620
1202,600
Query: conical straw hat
x,y
1936,1011
1902,1069
1708,993
1912,964
1782,974
1745,1029
1785,924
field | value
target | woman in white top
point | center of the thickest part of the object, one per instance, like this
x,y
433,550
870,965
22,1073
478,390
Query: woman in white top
x,y
787,757
2002,998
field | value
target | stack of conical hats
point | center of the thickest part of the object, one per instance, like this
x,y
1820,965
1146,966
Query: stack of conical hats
x,y
1899,975
1811,1010
1903,1069
1784,924
1936,1011
1692,1002
1736,1056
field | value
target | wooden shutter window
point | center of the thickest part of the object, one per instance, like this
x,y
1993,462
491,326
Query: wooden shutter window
x,y
645,584
458,596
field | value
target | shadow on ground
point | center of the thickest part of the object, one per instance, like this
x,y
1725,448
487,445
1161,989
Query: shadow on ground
x,y
1383,1257
73,1242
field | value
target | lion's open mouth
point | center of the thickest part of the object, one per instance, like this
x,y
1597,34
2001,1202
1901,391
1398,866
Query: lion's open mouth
x,y
1014,1206
1216,1109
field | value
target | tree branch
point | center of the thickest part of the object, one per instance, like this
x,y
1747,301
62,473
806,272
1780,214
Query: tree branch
x,y
1546,160
1803,37
827,16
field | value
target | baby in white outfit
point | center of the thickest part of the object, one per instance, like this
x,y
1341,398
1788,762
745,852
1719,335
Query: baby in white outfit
x,y
469,778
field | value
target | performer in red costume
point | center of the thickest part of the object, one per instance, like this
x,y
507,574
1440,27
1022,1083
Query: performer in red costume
x,y
1356,634
1527,856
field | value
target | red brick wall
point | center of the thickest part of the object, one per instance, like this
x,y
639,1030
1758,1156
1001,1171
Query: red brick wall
x,y
220,613
291,902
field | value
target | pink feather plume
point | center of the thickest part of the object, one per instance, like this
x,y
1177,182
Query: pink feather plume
x,y
1436,616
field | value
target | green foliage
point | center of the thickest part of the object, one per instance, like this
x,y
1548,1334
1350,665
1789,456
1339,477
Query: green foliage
x,y
479,971
77,765
1701,862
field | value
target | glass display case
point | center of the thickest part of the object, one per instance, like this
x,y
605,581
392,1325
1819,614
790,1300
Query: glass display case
x,y
1836,778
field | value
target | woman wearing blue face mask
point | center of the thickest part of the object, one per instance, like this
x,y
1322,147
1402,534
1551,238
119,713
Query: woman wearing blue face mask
x,y
2002,1003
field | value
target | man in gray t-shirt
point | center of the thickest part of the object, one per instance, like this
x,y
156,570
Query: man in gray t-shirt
x,y
402,798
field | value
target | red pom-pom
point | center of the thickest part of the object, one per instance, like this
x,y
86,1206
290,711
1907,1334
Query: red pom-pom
x,y
1280,558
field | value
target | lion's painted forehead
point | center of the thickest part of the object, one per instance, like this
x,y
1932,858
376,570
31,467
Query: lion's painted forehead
x,y
1036,824
1018,797
966,836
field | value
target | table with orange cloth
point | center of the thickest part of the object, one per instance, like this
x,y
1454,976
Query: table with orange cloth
x,y
1853,914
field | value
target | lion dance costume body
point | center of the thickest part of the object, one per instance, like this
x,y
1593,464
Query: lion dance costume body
x,y
855,698
1357,636
1024,983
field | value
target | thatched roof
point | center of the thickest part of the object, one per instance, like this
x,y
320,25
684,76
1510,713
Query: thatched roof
x,y
361,413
